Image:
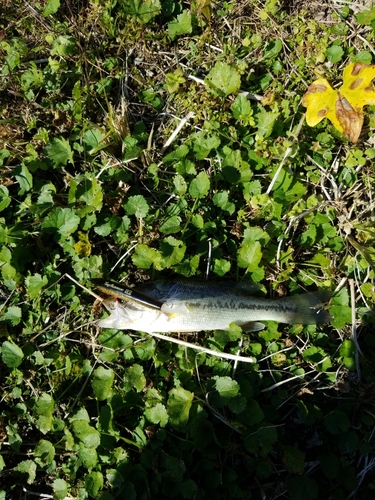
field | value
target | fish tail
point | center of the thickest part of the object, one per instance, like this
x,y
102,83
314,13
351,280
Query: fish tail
x,y
306,308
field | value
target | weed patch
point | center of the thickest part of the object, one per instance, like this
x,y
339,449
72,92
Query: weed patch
x,y
144,139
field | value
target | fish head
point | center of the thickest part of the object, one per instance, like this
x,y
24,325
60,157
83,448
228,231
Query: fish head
x,y
128,315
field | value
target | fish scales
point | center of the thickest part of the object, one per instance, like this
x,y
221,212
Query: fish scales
x,y
191,306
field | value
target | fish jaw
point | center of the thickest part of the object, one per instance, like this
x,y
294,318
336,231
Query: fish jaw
x,y
132,316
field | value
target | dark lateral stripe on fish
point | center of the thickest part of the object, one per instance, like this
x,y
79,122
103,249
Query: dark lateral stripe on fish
x,y
244,306
283,305
304,308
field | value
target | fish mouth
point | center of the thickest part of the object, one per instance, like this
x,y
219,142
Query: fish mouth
x,y
124,314
128,294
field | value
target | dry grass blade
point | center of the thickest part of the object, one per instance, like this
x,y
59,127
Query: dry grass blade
x,y
196,347
288,151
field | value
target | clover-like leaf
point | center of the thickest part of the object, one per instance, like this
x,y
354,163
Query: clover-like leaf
x,y
44,409
26,470
343,107
223,79
51,8
5,199
102,383
13,315
94,482
179,404
44,452
60,488
59,152
11,354
61,220
137,205
181,25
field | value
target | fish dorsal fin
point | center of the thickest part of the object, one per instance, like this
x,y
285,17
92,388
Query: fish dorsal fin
x,y
244,287
174,307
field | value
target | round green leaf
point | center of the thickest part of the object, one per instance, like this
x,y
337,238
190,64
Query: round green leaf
x,y
302,487
5,199
59,152
14,313
171,225
11,354
60,489
137,205
224,389
224,79
250,255
61,220
134,377
51,8
199,186
179,404
94,482
27,469
44,408
335,53
181,25
44,452
157,414
102,383
34,284
88,457
89,436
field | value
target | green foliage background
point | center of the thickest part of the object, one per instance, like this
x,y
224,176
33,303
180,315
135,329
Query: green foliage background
x,y
92,185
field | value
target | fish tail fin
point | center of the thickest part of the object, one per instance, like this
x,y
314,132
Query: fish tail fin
x,y
307,308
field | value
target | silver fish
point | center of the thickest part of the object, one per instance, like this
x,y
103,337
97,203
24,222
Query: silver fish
x,y
193,306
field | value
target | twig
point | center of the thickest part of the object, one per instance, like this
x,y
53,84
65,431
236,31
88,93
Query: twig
x,y
38,16
123,257
252,97
196,79
209,258
112,165
7,300
282,382
224,355
37,494
240,343
341,284
368,466
82,286
177,130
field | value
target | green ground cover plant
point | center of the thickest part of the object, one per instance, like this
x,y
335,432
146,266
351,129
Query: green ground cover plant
x,y
142,139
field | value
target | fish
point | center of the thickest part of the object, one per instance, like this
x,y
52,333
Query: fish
x,y
185,305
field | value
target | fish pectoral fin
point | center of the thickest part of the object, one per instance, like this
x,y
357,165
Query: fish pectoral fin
x,y
174,307
253,326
